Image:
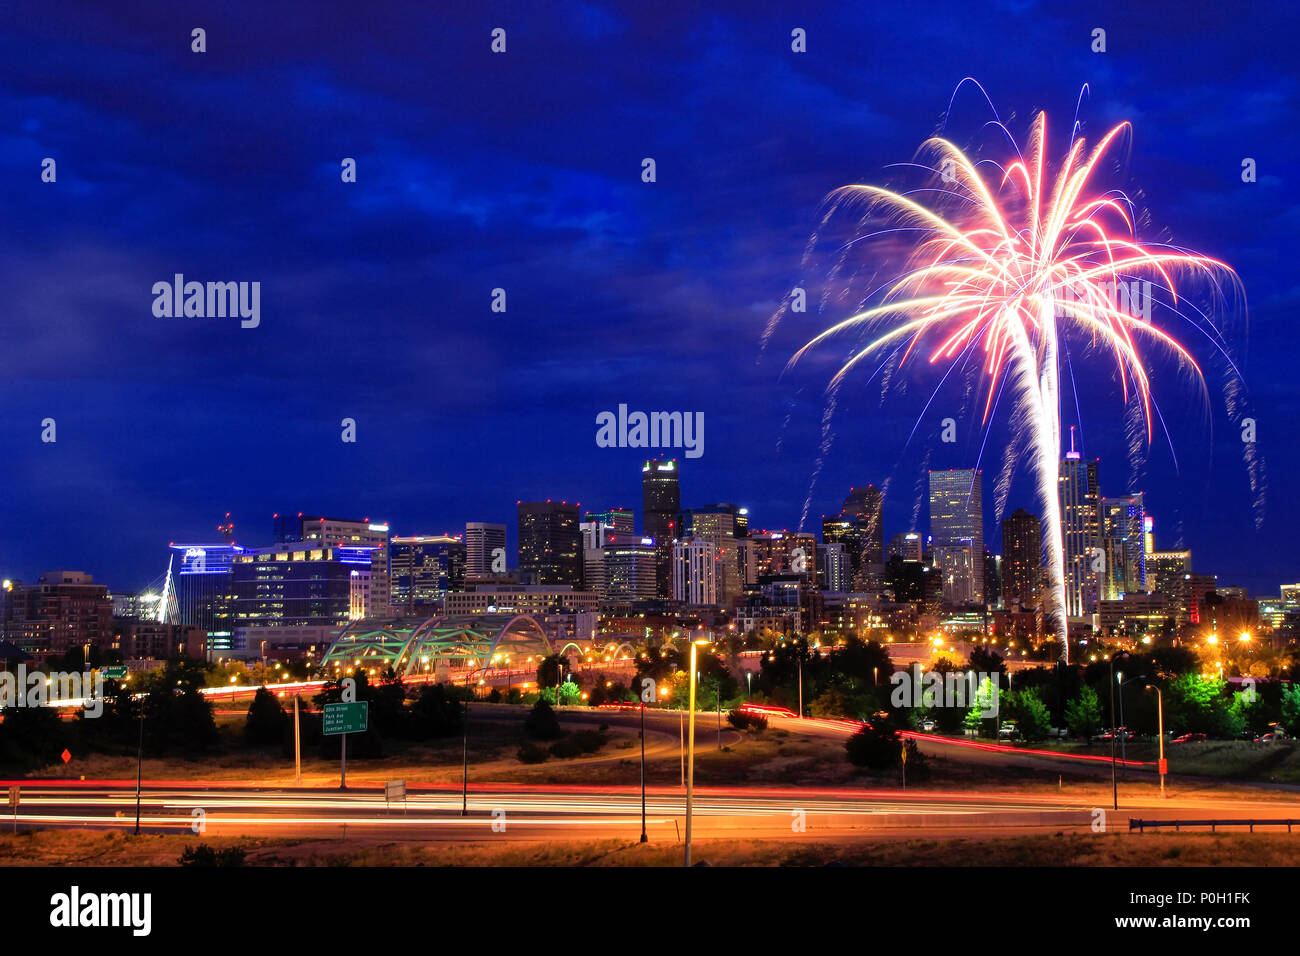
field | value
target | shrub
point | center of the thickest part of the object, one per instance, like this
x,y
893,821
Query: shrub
x,y
541,723
876,747
532,753
204,855
565,748
744,721
266,721
918,766
588,741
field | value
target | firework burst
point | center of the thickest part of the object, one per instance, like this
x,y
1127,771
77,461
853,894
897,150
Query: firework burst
x,y
1003,273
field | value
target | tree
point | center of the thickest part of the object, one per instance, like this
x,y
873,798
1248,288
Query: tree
x,y
541,722
435,714
178,717
549,670
31,737
875,746
266,721
1290,720
976,718
1029,712
1199,704
1083,713
987,661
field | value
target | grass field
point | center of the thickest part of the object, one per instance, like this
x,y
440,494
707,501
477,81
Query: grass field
x,y
84,848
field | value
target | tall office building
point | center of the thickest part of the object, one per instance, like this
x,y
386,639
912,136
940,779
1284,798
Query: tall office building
x,y
298,583
695,571
629,568
550,543
1166,571
843,529
661,502
1080,498
992,578
594,536
64,610
423,568
721,525
957,533
342,533
867,506
1022,559
906,545
203,584
833,569
620,519
482,541
721,518
785,553
1124,525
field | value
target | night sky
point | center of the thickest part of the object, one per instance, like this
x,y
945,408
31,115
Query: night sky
x,y
523,171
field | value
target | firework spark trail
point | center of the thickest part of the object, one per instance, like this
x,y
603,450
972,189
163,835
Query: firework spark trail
x,y
1006,276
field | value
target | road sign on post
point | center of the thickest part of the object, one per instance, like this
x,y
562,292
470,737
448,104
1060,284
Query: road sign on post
x,y
395,790
114,672
345,718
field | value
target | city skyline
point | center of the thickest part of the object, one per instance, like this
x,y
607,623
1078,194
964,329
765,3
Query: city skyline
x,y
505,534
172,422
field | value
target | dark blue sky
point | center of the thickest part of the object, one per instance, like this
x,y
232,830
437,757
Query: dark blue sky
x,y
522,171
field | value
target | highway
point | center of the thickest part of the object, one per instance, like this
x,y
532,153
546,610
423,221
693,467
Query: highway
x,y
545,812
542,811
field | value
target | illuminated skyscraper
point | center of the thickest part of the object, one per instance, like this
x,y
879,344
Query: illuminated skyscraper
x,y
661,501
621,520
550,543
1022,559
1123,523
424,568
957,533
866,505
629,568
695,571
843,529
906,545
482,539
342,533
1080,532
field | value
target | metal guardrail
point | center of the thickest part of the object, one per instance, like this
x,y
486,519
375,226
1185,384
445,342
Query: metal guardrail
x,y
1142,825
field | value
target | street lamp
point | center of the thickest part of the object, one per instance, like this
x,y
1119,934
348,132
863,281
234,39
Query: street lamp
x,y
464,763
1114,782
643,833
1123,753
1160,725
799,657
690,749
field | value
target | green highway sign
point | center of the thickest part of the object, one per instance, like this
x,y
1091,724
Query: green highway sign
x,y
116,672
345,718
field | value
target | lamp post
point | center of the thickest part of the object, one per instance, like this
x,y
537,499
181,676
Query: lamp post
x,y
1160,729
1114,782
1123,753
139,767
690,749
464,764
643,834
799,657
